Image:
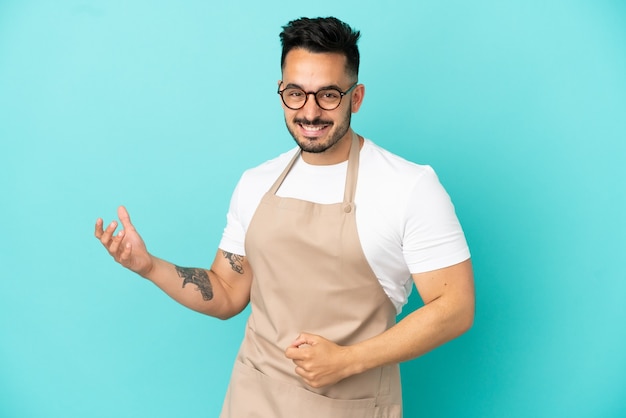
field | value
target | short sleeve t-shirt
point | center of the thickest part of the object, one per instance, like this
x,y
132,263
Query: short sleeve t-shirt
x,y
405,219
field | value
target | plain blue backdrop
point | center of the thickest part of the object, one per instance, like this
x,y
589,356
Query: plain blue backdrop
x,y
520,106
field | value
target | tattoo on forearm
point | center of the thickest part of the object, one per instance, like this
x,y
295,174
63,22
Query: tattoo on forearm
x,y
199,277
236,261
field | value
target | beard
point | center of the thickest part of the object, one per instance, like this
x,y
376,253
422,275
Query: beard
x,y
316,146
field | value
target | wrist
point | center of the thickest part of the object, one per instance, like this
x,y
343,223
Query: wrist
x,y
357,363
148,270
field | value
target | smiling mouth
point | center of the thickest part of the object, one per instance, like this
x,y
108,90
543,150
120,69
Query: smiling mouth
x,y
312,130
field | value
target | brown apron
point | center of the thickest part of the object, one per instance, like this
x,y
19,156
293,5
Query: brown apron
x,y
310,275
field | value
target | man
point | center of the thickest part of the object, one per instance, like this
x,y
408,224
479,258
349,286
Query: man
x,y
323,241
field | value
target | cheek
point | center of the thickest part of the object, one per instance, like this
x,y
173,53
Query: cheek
x,y
289,114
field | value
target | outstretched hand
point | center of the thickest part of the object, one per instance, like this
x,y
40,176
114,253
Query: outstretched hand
x,y
127,247
318,361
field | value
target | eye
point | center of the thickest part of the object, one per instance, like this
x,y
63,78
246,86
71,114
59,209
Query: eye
x,y
329,94
294,93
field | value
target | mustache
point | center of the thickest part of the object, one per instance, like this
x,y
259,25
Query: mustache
x,y
314,122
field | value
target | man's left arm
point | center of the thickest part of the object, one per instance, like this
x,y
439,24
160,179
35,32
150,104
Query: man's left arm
x,y
448,312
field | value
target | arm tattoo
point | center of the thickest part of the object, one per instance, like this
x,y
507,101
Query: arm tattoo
x,y
236,261
198,277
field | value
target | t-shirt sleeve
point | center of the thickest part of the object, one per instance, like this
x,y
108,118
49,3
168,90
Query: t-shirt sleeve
x,y
433,237
233,237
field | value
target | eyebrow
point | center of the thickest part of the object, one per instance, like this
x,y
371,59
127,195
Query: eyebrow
x,y
296,86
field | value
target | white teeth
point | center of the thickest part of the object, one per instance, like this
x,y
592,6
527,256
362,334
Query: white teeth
x,y
313,127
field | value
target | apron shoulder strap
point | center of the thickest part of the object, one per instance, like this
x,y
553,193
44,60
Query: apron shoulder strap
x,y
286,171
353,171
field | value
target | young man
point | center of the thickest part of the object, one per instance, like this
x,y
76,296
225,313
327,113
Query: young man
x,y
325,242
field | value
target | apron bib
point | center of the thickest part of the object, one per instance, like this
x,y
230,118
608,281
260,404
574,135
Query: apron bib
x,y
310,275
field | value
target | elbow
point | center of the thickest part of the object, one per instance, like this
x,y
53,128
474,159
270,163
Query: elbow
x,y
227,310
465,310
465,318
467,322
224,316
460,317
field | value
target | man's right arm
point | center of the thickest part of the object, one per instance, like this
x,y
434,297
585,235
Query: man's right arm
x,y
221,291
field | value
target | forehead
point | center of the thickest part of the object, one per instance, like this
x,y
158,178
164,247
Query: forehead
x,y
314,69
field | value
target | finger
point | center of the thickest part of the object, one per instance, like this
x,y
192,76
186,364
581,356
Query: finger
x,y
98,230
105,238
297,343
300,353
115,242
126,253
301,372
122,213
307,376
292,353
302,339
301,364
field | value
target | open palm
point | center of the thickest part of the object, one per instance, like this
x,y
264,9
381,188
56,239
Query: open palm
x,y
127,247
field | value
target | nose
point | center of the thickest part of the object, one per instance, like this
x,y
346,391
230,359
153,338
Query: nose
x,y
311,110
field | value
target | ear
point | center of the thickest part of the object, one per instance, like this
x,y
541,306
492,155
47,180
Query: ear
x,y
357,97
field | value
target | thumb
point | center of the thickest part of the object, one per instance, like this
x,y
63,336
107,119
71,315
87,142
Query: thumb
x,y
302,339
122,213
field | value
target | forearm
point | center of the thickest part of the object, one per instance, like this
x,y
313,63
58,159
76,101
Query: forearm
x,y
196,288
418,333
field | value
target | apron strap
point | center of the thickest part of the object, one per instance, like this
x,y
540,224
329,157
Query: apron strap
x,y
353,172
286,171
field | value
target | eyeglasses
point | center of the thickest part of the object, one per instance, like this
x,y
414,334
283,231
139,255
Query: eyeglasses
x,y
328,99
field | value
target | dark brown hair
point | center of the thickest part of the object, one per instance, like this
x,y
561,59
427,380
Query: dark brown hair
x,y
322,34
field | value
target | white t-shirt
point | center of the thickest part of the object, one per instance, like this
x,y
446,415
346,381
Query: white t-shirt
x,y
405,219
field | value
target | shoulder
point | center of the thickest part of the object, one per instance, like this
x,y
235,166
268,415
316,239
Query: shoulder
x,y
267,171
255,181
391,184
381,166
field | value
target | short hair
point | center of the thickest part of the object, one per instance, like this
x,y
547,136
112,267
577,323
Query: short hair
x,y
322,34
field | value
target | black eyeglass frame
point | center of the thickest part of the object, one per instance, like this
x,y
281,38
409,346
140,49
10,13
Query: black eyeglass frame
x,y
314,93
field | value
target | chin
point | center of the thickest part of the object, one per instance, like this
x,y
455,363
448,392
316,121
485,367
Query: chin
x,y
313,146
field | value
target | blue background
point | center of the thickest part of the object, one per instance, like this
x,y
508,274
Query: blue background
x,y
520,106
